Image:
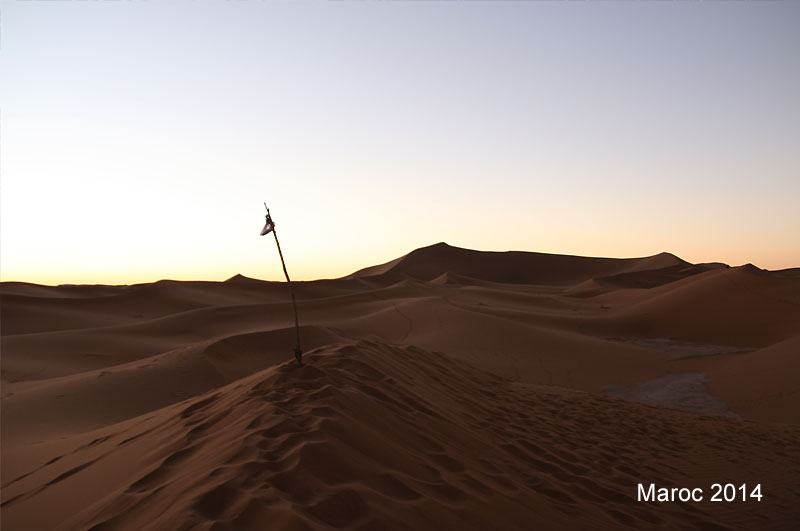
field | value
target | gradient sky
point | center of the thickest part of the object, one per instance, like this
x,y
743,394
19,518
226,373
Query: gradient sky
x,y
139,138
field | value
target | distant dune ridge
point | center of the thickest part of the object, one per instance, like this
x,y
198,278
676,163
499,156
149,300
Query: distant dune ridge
x,y
446,389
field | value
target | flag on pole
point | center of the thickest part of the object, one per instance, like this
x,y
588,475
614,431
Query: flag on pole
x,y
269,227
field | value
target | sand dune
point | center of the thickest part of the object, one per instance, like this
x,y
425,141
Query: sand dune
x,y
449,388
762,383
738,306
511,266
373,436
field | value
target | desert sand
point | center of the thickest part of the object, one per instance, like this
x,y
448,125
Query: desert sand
x,y
446,389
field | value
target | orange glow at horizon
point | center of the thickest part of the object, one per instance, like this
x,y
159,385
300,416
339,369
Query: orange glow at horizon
x,y
127,160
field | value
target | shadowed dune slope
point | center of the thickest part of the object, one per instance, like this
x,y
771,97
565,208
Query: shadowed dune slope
x,y
370,436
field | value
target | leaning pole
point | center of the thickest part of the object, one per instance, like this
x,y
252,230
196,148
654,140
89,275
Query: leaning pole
x,y
270,227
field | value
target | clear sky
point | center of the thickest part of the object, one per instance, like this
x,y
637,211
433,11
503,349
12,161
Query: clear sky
x,y
139,138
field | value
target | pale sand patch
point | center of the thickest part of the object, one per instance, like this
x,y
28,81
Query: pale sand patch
x,y
682,349
685,391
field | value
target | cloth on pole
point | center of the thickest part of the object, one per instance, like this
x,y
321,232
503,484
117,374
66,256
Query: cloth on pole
x,y
269,227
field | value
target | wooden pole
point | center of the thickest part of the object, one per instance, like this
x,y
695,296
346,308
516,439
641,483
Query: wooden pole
x,y
297,352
